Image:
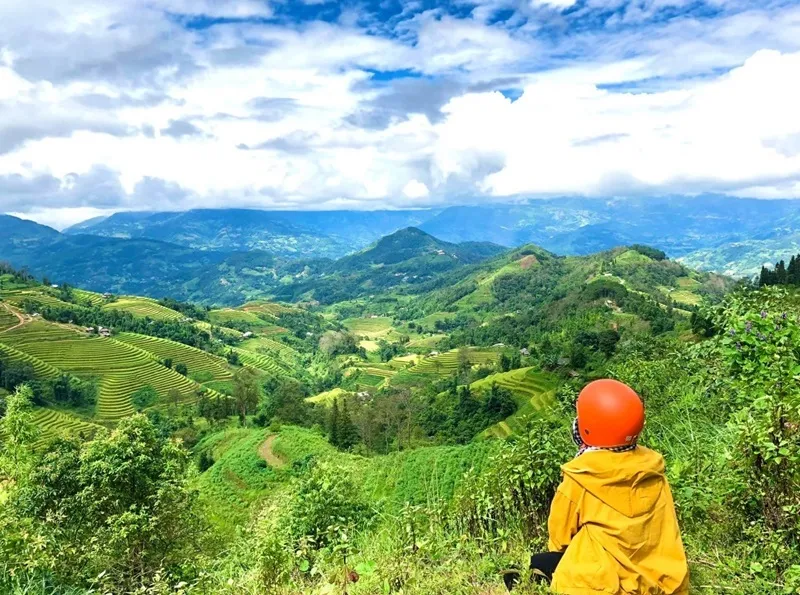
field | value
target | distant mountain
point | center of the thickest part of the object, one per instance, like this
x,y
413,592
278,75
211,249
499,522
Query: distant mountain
x,y
677,225
743,259
19,236
158,269
407,258
291,234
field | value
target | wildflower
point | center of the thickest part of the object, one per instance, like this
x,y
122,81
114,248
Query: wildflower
x,y
763,314
762,337
738,346
732,332
748,327
783,316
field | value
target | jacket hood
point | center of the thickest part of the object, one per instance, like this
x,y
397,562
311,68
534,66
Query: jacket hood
x,y
629,482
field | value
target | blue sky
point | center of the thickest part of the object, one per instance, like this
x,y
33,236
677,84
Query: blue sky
x,y
110,105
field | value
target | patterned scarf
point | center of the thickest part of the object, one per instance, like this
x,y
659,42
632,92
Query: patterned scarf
x,y
583,447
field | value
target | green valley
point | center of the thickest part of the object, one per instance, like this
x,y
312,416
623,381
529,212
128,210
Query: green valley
x,y
365,431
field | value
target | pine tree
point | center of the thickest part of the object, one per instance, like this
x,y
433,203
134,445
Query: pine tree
x,y
348,433
765,278
780,273
793,271
333,424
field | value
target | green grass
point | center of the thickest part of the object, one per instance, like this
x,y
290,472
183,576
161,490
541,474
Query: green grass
x,y
239,476
632,257
218,330
143,307
532,389
196,360
418,476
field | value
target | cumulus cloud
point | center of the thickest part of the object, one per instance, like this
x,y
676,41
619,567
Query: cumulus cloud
x,y
120,104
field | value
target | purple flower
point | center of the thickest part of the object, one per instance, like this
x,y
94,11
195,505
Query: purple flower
x,y
732,332
738,346
783,316
748,327
763,314
762,337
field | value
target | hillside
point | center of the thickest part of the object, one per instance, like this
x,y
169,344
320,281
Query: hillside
x,y
409,431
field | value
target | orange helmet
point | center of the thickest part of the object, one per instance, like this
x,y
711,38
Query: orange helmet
x,y
610,414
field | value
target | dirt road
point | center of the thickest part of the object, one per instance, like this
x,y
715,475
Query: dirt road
x,y
265,452
20,317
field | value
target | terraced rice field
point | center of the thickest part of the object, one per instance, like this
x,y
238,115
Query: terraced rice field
x,y
15,298
54,423
370,381
219,330
270,347
270,308
7,319
95,299
327,397
122,369
195,359
228,315
40,368
261,362
144,307
372,328
532,389
447,363
38,331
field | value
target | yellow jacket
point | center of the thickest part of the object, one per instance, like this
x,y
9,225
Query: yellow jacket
x,y
613,514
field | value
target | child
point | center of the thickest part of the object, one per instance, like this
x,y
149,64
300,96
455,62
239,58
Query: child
x,y
612,525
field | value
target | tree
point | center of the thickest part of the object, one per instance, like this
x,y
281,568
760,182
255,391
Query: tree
x,y
117,508
144,397
174,396
213,409
245,392
333,423
232,357
181,369
168,362
285,400
19,432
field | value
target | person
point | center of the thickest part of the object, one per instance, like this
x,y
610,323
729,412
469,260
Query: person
x,y
612,525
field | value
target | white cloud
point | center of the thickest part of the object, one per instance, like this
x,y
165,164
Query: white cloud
x,y
115,105
415,189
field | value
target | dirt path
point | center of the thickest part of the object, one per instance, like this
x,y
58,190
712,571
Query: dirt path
x,y
265,452
20,317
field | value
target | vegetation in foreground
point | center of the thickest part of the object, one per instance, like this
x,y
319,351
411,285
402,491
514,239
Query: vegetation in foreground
x,y
310,479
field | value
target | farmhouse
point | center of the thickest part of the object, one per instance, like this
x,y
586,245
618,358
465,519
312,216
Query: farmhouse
x,y
247,334
433,354
524,351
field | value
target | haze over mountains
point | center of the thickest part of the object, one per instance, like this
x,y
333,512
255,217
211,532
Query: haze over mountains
x,y
225,255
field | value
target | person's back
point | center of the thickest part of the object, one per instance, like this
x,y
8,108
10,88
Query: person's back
x,y
613,527
614,519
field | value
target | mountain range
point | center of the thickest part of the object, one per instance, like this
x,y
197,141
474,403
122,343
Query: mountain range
x,y
230,255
